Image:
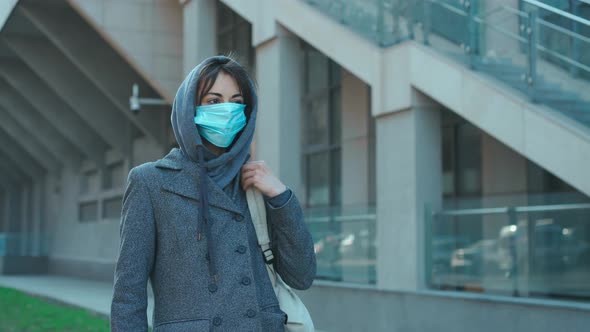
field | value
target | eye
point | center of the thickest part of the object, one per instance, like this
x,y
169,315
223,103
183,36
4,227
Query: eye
x,y
213,101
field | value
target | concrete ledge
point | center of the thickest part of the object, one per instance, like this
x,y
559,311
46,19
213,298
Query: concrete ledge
x,y
370,309
23,265
99,271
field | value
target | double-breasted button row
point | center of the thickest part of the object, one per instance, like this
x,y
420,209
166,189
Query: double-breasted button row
x,y
251,313
213,288
241,249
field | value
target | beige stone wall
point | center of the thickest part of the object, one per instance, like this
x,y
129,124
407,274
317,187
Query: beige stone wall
x,y
148,32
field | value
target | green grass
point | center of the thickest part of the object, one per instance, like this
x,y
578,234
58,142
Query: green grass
x,y
21,312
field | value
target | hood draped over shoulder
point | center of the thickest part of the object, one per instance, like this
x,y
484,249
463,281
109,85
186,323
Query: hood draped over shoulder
x,y
221,169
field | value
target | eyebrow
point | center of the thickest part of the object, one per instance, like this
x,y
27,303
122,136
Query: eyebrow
x,y
220,96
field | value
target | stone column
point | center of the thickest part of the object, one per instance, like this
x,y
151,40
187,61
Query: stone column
x,y
409,173
199,32
278,128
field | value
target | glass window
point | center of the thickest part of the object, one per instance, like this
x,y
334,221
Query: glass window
x,y
469,159
461,157
88,211
316,71
234,36
111,208
317,121
114,176
225,16
448,163
318,168
529,239
335,116
90,183
336,180
322,108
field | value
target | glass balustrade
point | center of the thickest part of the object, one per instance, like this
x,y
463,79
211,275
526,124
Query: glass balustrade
x,y
344,242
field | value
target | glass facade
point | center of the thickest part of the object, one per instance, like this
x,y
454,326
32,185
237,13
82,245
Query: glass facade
x,y
90,183
114,177
111,208
321,129
508,226
88,211
234,37
344,234
101,193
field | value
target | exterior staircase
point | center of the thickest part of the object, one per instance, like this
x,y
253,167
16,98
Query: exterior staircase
x,y
459,28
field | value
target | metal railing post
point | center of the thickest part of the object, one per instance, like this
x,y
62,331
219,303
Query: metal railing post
x,y
381,22
471,6
427,20
575,44
512,220
428,226
532,32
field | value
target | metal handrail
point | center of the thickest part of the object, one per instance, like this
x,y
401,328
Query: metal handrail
x,y
450,8
558,11
353,218
518,209
505,32
564,58
563,30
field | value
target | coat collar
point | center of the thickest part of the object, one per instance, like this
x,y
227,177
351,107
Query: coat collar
x,y
186,180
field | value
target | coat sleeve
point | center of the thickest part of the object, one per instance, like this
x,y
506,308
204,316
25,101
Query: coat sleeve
x,y
136,257
292,244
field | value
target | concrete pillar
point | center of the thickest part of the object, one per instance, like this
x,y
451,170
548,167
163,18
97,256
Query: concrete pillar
x,y
200,28
4,210
24,227
278,128
37,203
409,173
14,216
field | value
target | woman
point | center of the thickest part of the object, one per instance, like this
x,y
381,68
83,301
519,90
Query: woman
x,y
186,226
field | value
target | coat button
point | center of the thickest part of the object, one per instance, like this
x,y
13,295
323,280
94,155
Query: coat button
x,y
217,321
250,313
246,281
212,288
241,249
238,217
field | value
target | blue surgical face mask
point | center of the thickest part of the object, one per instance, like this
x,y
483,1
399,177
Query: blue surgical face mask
x,y
220,123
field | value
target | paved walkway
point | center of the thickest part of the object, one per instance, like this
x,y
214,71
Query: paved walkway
x,y
94,296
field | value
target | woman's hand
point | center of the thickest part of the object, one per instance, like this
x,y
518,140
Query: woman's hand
x,y
256,174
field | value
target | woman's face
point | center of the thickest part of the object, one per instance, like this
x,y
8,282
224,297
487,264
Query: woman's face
x,y
224,90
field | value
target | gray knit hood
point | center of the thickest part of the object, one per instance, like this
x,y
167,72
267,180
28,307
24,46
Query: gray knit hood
x,y
221,169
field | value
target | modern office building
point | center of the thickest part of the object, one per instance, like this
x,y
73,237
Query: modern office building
x,y
441,148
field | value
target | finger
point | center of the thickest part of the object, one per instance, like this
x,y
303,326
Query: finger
x,y
247,175
253,165
251,181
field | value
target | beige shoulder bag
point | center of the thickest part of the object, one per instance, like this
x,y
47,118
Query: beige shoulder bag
x,y
298,318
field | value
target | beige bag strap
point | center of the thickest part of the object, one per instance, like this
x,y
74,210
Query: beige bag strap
x,y
257,209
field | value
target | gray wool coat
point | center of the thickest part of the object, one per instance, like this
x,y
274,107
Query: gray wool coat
x,y
159,243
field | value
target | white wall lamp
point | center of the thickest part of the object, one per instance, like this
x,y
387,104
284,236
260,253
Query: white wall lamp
x,y
135,102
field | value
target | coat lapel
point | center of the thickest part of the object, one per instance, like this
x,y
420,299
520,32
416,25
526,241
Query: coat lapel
x,y
185,182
